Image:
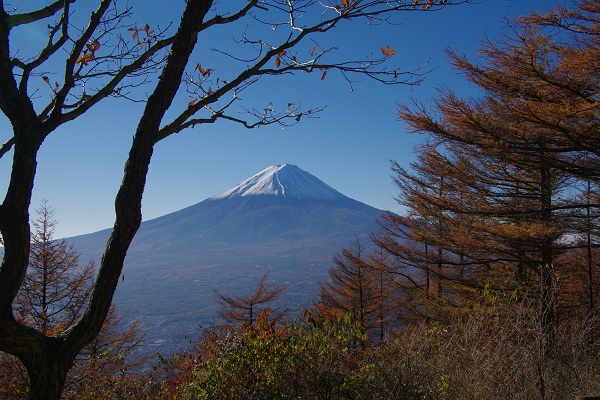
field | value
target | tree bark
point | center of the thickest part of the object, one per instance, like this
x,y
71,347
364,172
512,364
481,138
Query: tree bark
x,y
48,370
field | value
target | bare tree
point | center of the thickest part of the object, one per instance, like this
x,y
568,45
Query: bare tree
x,y
106,57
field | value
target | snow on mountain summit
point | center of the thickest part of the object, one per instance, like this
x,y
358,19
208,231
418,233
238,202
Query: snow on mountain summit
x,y
284,180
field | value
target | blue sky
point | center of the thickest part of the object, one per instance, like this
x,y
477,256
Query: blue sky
x,y
348,147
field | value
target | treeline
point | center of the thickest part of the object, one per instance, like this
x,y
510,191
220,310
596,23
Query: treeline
x,y
486,286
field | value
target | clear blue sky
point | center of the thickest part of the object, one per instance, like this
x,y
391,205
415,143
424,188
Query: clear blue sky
x,y
348,147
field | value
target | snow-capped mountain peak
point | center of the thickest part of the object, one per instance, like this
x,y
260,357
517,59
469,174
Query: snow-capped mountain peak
x,y
283,180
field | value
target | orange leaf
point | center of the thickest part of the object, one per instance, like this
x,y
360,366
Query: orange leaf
x,y
92,47
347,6
283,53
46,79
191,103
313,51
146,28
85,58
388,51
55,88
277,62
324,75
135,34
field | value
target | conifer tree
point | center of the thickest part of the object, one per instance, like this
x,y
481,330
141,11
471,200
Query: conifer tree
x,y
243,310
360,288
492,199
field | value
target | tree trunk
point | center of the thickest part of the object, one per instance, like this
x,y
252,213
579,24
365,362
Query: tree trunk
x,y
547,253
48,371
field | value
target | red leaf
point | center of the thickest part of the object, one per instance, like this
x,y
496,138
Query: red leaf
x,y
298,117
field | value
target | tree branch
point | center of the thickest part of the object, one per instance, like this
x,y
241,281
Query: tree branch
x,y
26,18
7,146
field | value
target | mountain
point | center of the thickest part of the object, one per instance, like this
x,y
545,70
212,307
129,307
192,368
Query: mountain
x,y
282,220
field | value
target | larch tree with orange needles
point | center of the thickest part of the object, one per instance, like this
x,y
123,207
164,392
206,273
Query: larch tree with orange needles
x,y
360,287
513,162
243,310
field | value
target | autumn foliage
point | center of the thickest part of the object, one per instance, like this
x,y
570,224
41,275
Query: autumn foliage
x,y
486,286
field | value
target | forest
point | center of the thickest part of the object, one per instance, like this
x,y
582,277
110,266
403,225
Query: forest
x,y
485,287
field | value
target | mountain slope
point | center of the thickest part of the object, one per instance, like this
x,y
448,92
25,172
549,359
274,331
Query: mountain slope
x,y
282,219
282,208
